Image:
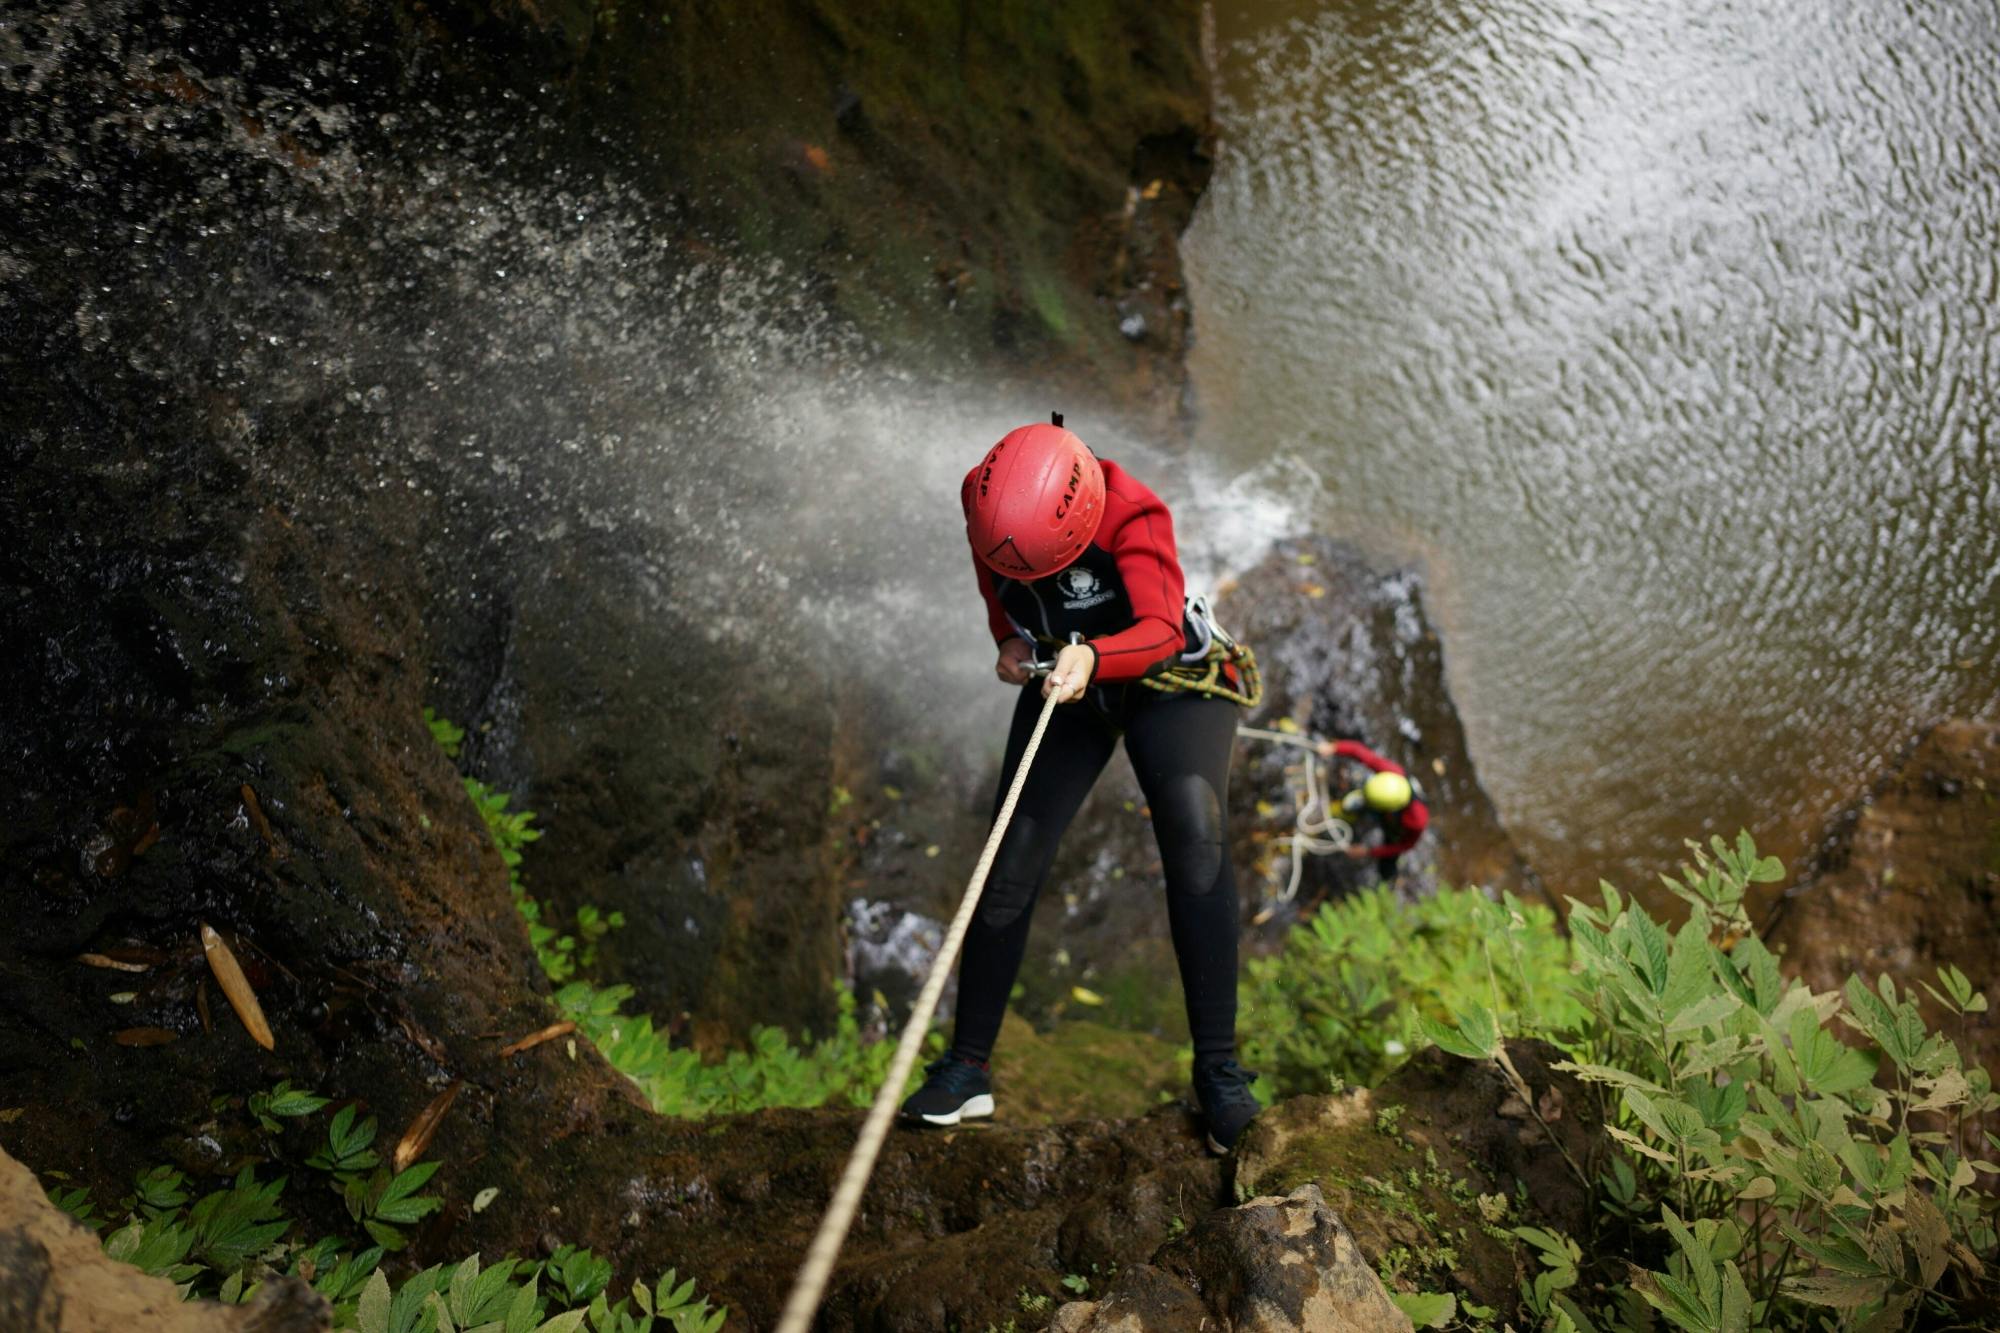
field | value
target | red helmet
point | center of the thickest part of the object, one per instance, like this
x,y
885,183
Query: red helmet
x,y
1034,502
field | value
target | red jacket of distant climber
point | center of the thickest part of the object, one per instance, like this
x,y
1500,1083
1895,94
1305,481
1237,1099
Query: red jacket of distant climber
x,y
1404,827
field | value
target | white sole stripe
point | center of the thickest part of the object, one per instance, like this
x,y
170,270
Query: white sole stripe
x,y
974,1108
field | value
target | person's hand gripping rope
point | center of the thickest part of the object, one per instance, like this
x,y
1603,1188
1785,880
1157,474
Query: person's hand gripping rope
x,y
1070,676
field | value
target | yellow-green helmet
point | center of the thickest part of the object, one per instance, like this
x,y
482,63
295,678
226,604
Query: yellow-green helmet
x,y
1386,792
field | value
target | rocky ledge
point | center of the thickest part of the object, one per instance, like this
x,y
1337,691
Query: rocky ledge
x,y
1411,1179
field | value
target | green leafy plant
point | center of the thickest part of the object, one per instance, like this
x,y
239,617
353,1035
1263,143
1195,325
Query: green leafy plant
x,y
1796,1180
231,1240
448,735
76,1202
1345,1001
1426,1309
283,1101
347,1153
773,1070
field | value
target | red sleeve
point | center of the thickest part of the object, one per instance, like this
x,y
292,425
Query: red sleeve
x,y
1360,753
996,617
1416,818
1143,545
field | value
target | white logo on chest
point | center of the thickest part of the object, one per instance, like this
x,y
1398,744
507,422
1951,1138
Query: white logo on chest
x,y
1081,588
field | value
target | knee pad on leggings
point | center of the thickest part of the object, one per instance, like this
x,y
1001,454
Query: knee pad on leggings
x,y
1018,868
1189,819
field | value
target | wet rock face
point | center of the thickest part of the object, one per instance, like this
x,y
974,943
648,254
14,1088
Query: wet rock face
x,y
1349,652
1908,881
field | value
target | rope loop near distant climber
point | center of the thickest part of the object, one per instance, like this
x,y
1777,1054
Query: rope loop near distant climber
x,y
825,1248
1319,828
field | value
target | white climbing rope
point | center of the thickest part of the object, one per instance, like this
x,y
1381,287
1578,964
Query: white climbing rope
x,y
825,1248
1319,828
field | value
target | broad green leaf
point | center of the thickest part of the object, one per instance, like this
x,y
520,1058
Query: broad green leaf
x,y
463,1279
1708,1011
371,1315
1842,1293
1426,1309
1928,1234
1623,1078
1701,1263
521,1313
1672,1298
1651,948
1835,1252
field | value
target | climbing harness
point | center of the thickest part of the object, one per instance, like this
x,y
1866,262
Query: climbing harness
x,y
1217,666
1319,827
1220,667
825,1247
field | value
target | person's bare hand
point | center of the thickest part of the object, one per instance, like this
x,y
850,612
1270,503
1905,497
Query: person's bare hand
x,y
1071,673
1015,654
1354,851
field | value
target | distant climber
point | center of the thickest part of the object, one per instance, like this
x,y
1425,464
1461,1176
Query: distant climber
x,y
1388,800
1076,558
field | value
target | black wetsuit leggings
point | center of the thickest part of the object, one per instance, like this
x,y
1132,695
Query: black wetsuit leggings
x,y
1179,745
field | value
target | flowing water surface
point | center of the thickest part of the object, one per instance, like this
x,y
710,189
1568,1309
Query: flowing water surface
x,y
1664,337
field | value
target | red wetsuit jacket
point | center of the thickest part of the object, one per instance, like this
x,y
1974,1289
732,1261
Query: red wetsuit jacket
x,y
1412,820
1124,594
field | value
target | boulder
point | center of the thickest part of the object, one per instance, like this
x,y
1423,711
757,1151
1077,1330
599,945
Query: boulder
x,y
1348,651
1269,1265
56,1278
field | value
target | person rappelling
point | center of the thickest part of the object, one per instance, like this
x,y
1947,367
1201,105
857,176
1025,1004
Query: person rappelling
x,y
1075,560
1388,800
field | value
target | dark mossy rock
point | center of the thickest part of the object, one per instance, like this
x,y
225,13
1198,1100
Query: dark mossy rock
x,y
956,1226
1406,1165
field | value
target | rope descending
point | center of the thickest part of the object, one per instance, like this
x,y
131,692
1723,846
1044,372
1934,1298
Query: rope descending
x,y
825,1247
1319,827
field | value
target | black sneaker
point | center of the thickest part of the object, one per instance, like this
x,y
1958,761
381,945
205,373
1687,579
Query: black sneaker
x,y
955,1089
1223,1088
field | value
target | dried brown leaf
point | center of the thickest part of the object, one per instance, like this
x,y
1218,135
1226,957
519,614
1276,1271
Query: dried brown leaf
x,y
261,824
533,1039
107,961
236,986
418,1136
144,1037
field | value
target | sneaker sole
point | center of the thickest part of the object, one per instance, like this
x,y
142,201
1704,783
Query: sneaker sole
x,y
975,1108
1216,1148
